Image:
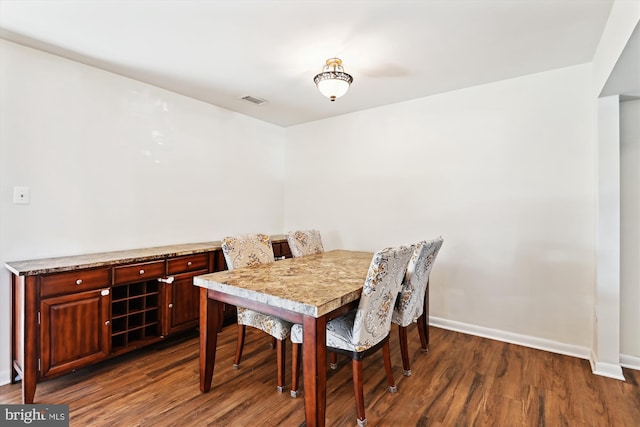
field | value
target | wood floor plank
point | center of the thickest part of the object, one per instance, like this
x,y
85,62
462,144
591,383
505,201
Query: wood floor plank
x,y
464,380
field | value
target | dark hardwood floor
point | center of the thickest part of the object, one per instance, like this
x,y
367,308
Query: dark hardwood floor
x,y
463,381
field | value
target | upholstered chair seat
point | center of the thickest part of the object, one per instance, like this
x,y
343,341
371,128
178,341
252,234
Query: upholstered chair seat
x,y
412,305
277,328
245,251
366,329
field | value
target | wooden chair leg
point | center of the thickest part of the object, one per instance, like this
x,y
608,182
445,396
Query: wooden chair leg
x,y
333,360
295,368
423,323
404,350
358,391
239,346
386,355
281,346
423,332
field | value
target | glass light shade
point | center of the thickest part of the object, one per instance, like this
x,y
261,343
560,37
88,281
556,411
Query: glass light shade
x,y
333,88
333,82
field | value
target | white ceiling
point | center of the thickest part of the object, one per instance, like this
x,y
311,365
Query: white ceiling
x,y
625,77
218,51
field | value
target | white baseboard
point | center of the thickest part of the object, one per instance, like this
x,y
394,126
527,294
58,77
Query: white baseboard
x,y
631,362
610,370
513,338
599,368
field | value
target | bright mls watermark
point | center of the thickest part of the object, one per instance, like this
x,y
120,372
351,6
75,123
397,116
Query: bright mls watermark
x,y
34,415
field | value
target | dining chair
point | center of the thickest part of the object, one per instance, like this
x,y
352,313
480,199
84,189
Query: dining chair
x,y
366,329
412,305
244,251
304,242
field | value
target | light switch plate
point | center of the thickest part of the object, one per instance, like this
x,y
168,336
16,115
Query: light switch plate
x,y
21,195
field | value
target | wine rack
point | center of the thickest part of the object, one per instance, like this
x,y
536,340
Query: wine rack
x,y
135,315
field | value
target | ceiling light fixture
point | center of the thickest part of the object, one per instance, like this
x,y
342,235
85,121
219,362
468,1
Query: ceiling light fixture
x,y
333,82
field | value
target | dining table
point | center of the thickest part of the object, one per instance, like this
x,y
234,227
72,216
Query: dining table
x,y
309,290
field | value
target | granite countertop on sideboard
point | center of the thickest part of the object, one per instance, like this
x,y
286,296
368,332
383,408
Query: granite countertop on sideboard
x,y
105,259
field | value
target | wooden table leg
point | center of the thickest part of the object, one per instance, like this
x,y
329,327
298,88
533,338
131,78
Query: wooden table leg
x,y
210,322
314,359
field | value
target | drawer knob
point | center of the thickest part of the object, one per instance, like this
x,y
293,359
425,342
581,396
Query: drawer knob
x,y
79,282
189,264
141,272
107,323
170,305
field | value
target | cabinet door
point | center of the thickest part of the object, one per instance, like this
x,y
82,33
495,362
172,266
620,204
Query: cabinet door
x,y
281,250
74,331
183,303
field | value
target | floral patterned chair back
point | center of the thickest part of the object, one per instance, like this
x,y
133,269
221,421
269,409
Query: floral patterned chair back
x,y
247,250
366,329
371,322
410,303
305,242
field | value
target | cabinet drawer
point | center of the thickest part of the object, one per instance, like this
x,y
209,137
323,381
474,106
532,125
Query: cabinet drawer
x,y
188,263
138,272
73,281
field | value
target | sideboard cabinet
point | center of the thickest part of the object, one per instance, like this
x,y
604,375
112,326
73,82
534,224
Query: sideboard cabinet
x,y
71,312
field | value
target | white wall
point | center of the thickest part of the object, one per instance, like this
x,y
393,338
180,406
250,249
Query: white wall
x,y
504,172
113,163
630,232
608,339
605,358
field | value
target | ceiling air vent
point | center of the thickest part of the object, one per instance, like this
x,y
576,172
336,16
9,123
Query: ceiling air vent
x,y
254,100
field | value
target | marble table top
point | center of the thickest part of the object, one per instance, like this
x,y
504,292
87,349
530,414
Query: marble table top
x,y
312,285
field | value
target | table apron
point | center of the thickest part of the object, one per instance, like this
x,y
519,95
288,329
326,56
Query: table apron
x,y
288,315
